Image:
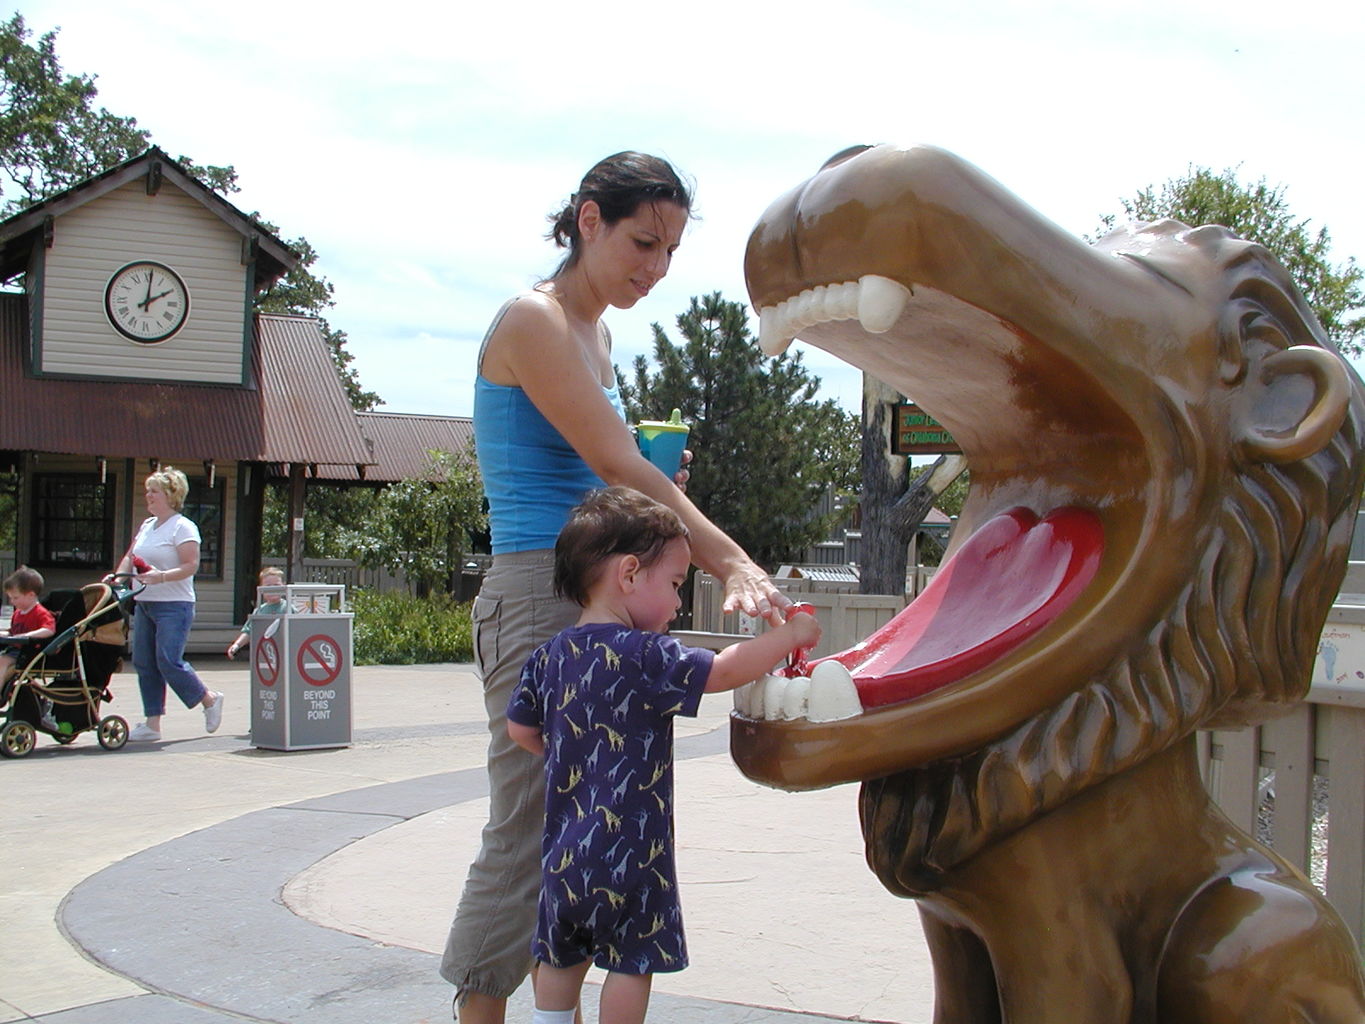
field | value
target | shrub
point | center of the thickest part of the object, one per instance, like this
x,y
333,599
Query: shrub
x,y
398,629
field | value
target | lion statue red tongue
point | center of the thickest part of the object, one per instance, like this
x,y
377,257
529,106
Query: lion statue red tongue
x,y
1167,455
1009,580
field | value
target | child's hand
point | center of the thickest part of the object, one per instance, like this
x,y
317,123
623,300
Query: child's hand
x,y
805,627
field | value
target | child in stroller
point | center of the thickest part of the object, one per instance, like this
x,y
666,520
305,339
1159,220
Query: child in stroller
x,y
29,624
61,686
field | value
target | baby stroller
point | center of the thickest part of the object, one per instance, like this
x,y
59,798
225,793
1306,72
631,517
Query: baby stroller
x,y
60,689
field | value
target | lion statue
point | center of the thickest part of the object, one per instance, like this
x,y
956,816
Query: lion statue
x,y
1166,463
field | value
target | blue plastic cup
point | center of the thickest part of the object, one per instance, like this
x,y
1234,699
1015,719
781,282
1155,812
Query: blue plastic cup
x,y
662,442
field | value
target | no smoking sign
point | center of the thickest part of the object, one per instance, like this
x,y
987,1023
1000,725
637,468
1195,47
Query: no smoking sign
x,y
319,660
267,660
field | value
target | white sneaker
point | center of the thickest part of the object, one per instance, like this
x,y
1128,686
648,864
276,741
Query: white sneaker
x,y
142,734
213,717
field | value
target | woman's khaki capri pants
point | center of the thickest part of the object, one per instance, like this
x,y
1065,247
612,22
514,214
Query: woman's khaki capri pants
x,y
489,946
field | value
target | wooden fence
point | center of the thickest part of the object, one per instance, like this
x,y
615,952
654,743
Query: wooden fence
x,y
1297,783
1264,780
343,571
845,615
353,576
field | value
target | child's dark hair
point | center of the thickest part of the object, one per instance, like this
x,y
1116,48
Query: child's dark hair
x,y
25,580
612,521
618,185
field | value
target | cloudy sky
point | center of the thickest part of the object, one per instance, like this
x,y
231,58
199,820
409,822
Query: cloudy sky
x,y
419,147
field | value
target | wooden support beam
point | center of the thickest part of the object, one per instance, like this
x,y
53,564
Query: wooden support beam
x,y
297,486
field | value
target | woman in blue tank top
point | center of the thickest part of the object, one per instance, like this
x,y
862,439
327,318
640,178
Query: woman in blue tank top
x,y
549,427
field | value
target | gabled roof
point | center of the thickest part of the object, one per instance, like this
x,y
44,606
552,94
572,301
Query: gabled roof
x,y
296,409
273,257
399,443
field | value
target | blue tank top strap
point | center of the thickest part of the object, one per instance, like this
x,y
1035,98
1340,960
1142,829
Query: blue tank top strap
x,y
488,334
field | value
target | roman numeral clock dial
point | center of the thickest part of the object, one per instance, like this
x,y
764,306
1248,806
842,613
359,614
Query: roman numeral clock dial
x,y
146,302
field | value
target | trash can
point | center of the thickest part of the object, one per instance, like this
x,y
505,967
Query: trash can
x,y
301,667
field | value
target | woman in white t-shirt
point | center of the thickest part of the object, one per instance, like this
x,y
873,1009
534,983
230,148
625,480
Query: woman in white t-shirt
x,y
168,544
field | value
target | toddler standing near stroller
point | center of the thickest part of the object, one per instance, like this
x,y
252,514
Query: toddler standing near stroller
x,y
598,701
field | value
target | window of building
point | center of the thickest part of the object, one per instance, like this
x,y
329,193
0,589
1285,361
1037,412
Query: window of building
x,y
73,521
204,507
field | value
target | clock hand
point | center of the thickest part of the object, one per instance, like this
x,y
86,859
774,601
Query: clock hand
x,y
153,298
148,300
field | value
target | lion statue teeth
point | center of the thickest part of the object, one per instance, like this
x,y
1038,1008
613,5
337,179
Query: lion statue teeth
x,y
1166,463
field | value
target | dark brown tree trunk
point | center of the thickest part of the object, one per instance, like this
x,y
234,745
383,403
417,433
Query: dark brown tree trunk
x,y
892,507
882,569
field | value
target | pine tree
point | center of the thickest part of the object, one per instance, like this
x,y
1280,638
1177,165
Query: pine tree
x,y
767,449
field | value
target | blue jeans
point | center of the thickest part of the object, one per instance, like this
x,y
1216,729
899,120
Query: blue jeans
x,y
160,629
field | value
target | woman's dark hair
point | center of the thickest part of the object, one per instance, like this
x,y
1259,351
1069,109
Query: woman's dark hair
x,y
612,521
618,185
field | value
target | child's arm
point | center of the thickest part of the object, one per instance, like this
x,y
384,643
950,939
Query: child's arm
x,y
527,736
243,638
41,633
747,660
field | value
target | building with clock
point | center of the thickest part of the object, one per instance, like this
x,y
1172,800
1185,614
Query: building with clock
x,y
129,341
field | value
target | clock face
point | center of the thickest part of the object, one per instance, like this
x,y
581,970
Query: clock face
x,y
146,302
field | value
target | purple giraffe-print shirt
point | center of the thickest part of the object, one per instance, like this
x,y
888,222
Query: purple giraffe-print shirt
x,y
604,697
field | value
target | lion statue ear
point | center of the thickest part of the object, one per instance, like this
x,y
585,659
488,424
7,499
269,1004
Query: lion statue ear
x,y
1295,401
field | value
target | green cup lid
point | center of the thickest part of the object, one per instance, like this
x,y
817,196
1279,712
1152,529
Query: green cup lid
x,y
673,423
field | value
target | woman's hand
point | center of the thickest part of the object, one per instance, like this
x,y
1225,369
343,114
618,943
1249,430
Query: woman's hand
x,y
749,589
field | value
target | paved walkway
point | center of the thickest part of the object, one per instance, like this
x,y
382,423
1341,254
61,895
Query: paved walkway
x,y
201,880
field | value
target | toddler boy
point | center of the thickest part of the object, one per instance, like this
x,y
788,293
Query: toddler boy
x,y
598,702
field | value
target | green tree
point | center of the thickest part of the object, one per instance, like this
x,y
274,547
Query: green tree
x,y
332,513
1260,213
421,526
950,500
767,449
51,134
53,137
302,291
9,510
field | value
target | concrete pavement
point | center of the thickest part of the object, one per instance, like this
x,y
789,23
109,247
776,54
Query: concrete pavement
x,y
203,880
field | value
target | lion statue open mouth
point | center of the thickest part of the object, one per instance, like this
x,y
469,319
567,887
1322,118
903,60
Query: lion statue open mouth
x,y
1166,463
